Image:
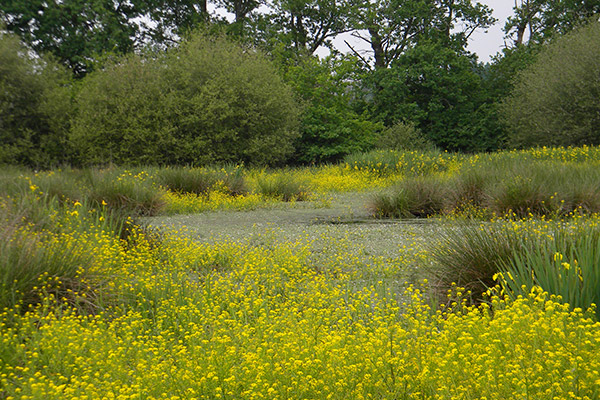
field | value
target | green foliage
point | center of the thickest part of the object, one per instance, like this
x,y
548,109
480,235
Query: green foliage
x,y
555,101
502,184
564,263
302,26
34,106
124,193
30,265
42,259
330,126
392,27
122,116
389,162
441,91
543,20
561,257
75,32
470,255
403,136
208,101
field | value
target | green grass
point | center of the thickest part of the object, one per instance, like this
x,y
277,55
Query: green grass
x,y
418,197
283,187
500,184
202,180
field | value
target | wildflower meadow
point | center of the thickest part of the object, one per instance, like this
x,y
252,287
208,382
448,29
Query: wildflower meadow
x,y
391,275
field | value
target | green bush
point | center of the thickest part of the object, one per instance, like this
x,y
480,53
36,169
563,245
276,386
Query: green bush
x,y
207,101
403,136
555,101
561,257
330,126
470,255
34,106
564,263
35,261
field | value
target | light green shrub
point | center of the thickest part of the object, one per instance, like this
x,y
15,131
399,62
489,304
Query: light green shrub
x,y
555,101
207,101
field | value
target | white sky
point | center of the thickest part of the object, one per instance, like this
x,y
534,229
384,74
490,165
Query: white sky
x,y
488,44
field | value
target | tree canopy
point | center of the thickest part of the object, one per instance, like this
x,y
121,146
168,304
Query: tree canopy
x,y
556,101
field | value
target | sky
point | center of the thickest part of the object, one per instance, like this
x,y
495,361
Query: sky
x,y
488,44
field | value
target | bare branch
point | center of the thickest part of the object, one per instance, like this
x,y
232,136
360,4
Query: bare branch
x,y
357,54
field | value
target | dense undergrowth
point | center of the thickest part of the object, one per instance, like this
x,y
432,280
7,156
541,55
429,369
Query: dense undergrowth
x,y
97,306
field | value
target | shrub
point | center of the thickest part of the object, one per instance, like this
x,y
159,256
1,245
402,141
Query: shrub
x,y
330,127
34,106
403,136
34,262
563,263
470,255
555,101
470,188
207,101
545,188
132,195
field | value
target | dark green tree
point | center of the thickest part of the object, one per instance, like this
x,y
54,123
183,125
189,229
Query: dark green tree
x,y
300,27
537,21
391,27
331,124
76,32
165,22
441,91
34,106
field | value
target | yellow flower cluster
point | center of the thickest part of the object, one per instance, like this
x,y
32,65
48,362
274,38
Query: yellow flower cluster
x,y
184,320
215,200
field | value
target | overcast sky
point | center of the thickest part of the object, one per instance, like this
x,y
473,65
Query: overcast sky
x,y
488,44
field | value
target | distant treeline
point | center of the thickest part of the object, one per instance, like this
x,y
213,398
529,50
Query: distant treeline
x,y
191,88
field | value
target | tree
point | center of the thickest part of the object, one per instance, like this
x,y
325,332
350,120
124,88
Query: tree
x,y
331,126
441,91
391,27
74,31
34,106
206,101
540,20
164,22
305,25
556,101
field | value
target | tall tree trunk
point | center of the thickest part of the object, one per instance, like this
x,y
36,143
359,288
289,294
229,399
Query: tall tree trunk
x,y
377,46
